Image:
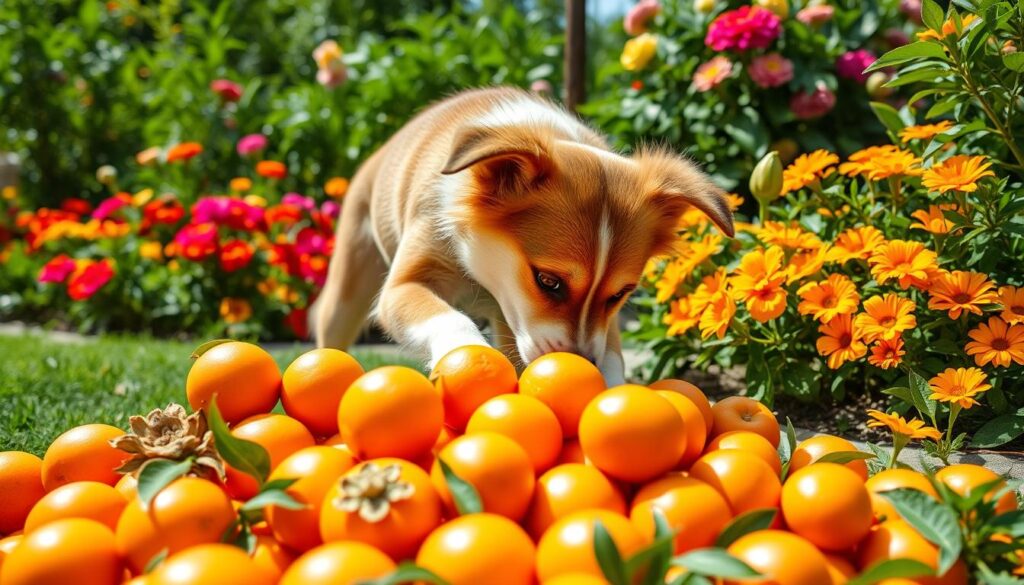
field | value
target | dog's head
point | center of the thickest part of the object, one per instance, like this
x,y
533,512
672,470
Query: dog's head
x,y
559,232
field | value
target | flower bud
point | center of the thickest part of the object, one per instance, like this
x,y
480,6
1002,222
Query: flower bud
x,y
106,175
766,180
876,85
704,6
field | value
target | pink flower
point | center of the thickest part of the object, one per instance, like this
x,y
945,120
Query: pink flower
x,y
816,15
109,206
85,282
712,73
228,211
639,15
812,105
852,64
330,209
747,27
771,70
310,241
228,91
300,201
542,86
251,144
57,269
911,9
331,71
196,241
896,37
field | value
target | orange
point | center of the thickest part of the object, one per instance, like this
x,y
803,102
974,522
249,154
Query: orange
x,y
21,487
279,434
568,545
577,579
750,442
891,479
83,454
964,477
312,387
495,465
406,524
569,488
212,564
571,452
632,434
479,548
783,558
565,382
839,569
7,545
744,479
127,486
525,420
895,539
468,376
693,393
272,557
245,379
695,510
390,412
810,450
338,563
739,413
828,505
316,469
693,423
188,512
82,499
72,550
447,436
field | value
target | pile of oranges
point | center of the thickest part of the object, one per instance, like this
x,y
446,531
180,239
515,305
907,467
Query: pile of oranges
x,y
474,474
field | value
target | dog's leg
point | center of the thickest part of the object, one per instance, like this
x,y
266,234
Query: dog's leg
x,y
612,365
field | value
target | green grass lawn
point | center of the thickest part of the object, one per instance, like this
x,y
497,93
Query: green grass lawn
x,y
47,387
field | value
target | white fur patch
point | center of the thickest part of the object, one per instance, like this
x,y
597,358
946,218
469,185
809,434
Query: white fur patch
x,y
604,244
442,333
606,154
527,112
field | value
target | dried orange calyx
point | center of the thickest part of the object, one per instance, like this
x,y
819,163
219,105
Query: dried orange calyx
x,y
371,491
172,434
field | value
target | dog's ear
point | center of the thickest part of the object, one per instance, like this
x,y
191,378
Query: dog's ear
x,y
501,157
671,185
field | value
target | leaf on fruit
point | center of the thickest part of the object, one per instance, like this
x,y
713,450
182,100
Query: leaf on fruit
x,y
199,351
892,569
746,523
464,495
714,562
245,456
934,520
274,497
406,572
156,474
608,556
842,457
652,561
155,562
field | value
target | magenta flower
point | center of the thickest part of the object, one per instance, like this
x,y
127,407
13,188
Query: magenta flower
x,y
771,70
310,241
747,27
710,74
639,15
330,209
57,269
851,65
896,37
196,241
813,105
251,144
816,15
109,206
300,201
228,90
228,211
911,9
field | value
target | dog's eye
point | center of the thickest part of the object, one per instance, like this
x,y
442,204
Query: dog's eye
x,y
549,283
619,295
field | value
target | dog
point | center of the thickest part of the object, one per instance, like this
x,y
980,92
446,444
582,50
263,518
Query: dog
x,y
497,205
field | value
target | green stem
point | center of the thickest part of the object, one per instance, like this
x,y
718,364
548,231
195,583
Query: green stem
x,y
972,89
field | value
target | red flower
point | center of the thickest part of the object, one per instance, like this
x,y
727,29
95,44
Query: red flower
x,y
184,151
89,279
228,90
283,214
235,255
76,205
298,322
57,269
166,209
313,268
637,85
271,169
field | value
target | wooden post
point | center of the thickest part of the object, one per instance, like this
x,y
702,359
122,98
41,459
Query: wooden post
x,y
575,53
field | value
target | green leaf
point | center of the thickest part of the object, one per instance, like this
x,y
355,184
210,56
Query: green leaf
x,y
746,523
933,520
156,474
918,50
464,495
787,448
999,431
278,484
801,381
932,15
406,572
1009,523
608,556
842,457
901,392
919,393
652,561
889,117
244,539
1014,61
279,498
155,562
892,569
759,375
245,456
199,351
714,562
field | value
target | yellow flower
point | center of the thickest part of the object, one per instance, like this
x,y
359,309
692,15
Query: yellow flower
x,y
887,354
336,187
958,386
932,220
997,343
638,52
717,316
666,286
958,173
235,310
885,317
910,263
912,429
151,250
899,163
948,28
959,291
924,131
694,254
857,243
839,342
711,287
860,162
255,200
9,193
807,169
826,212
758,283
241,184
790,236
1012,300
142,197
681,317
804,264
829,298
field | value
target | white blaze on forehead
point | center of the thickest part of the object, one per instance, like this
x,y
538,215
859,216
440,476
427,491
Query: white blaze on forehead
x,y
604,244
607,155
529,112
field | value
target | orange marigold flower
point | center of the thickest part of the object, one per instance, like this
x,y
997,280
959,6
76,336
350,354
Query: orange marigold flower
x,y
997,343
271,169
826,212
808,168
957,173
710,288
885,317
671,277
839,342
693,254
151,250
336,187
1012,300
924,131
961,290
829,298
859,162
932,220
948,28
912,429
804,264
958,386
240,184
758,283
717,316
898,163
910,263
857,243
680,317
887,354
234,310
183,151
790,236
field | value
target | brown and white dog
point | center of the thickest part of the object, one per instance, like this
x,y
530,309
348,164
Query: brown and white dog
x,y
499,205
